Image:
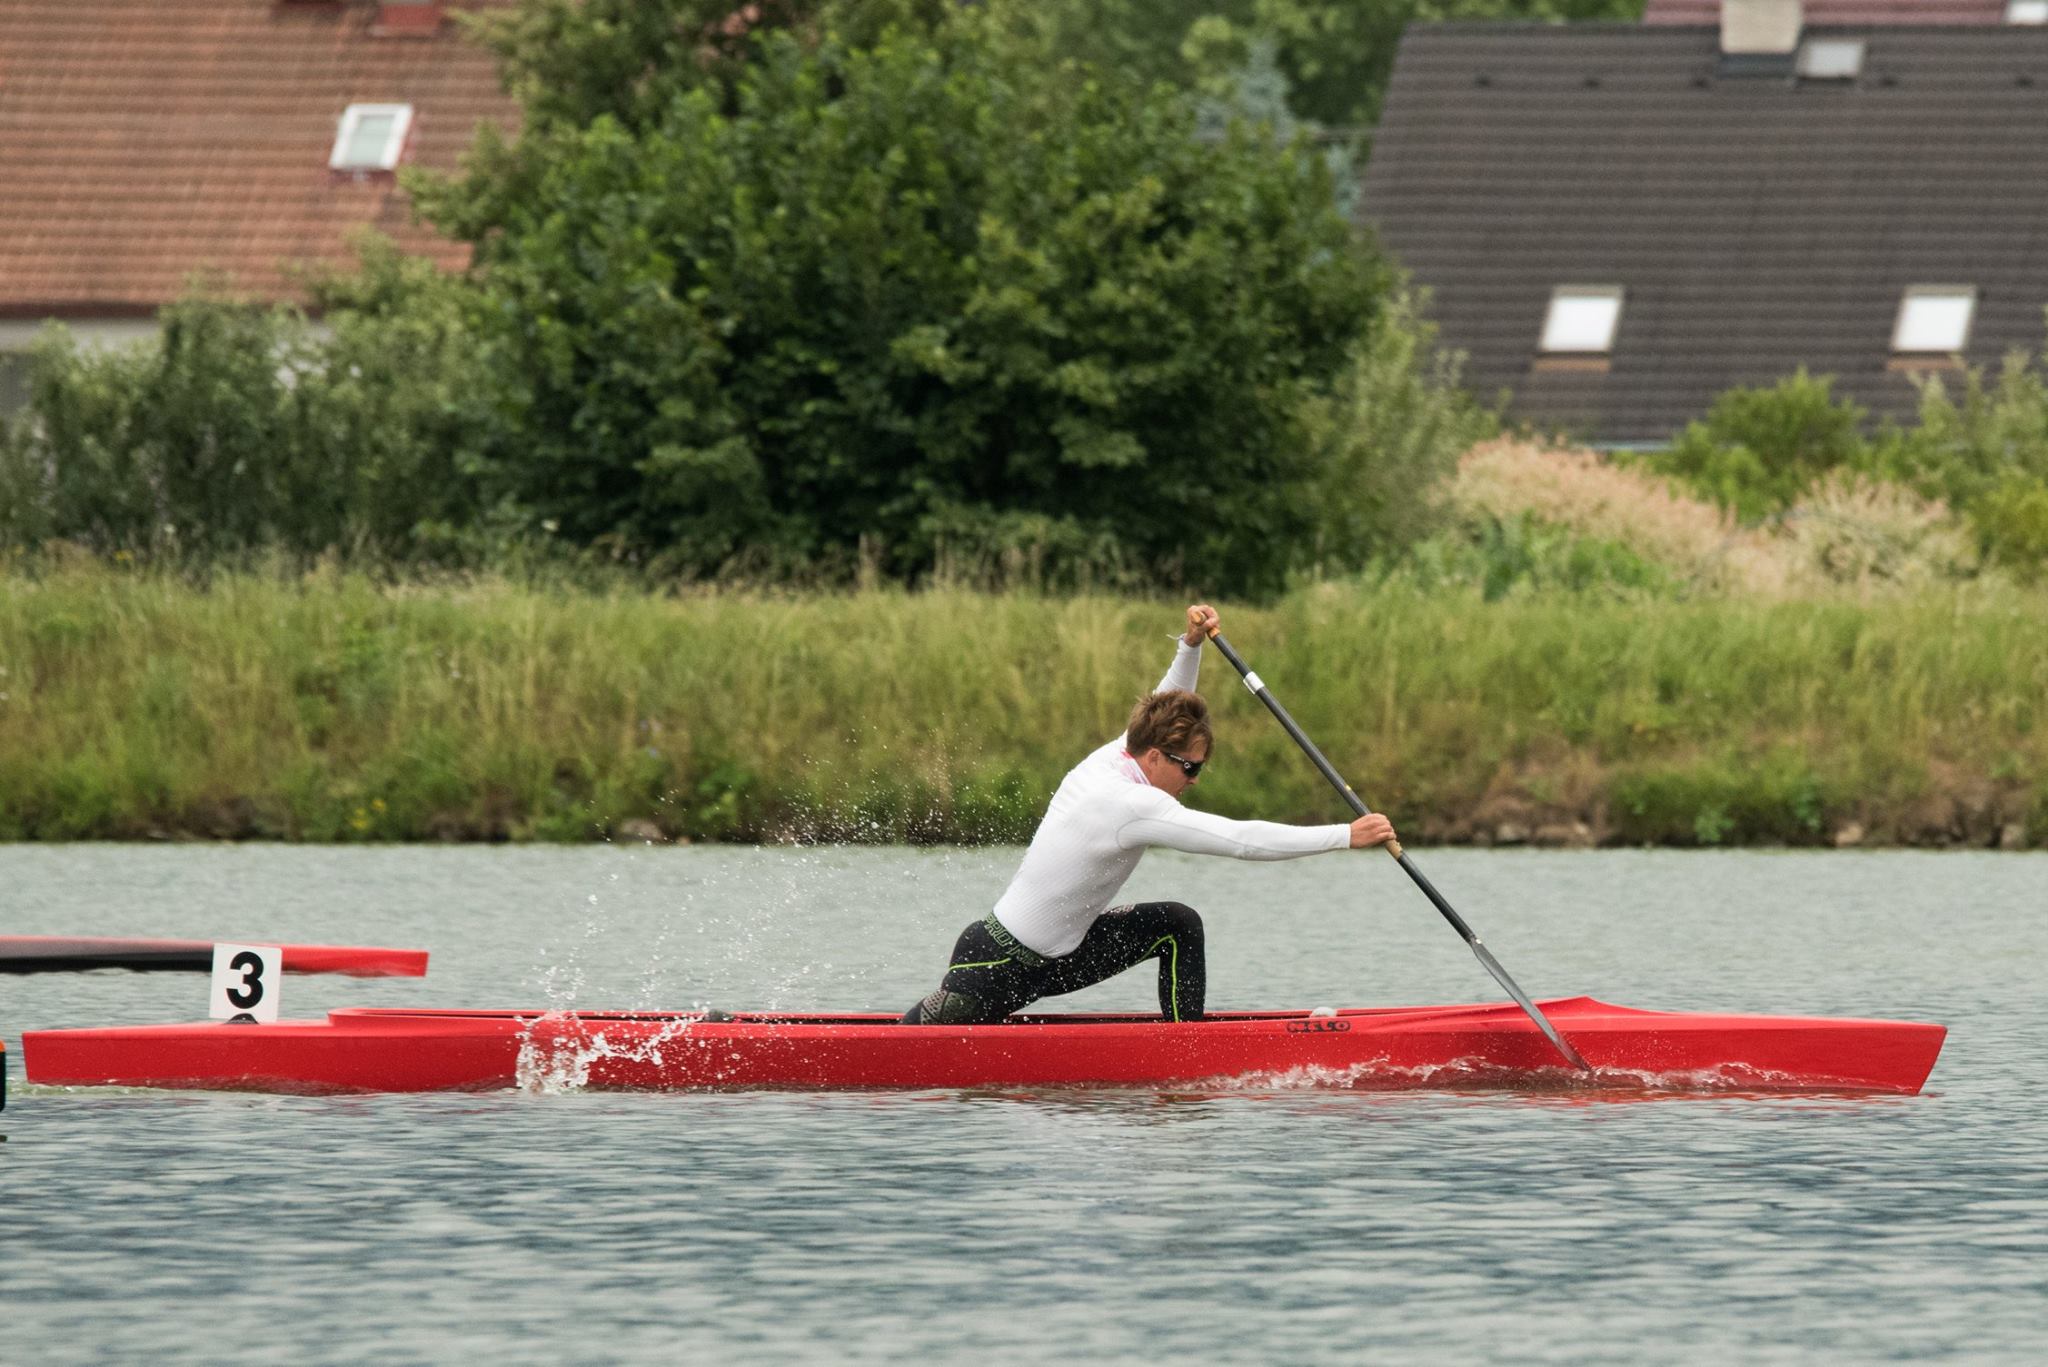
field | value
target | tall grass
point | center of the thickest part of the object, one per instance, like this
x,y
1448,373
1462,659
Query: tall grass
x,y
1844,530
331,707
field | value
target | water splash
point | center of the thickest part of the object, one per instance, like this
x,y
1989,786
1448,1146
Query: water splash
x,y
558,1049
1479,1075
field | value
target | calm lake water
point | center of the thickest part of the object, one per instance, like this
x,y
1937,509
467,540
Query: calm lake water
x,y
1271,1226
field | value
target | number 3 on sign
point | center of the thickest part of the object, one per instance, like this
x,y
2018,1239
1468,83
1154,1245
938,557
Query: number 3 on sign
x,y
245,982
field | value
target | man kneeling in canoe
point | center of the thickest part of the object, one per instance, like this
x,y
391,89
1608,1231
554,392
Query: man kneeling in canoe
x,y
1054,931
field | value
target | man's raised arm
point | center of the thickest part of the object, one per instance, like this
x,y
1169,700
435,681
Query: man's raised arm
x,y
1187,656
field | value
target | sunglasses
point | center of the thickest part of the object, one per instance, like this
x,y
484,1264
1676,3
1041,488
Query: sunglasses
x,y
1191,767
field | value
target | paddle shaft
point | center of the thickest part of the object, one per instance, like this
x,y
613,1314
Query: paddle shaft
x,y
1436,899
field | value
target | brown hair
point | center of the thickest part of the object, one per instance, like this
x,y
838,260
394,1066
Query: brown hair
x,y
1168,720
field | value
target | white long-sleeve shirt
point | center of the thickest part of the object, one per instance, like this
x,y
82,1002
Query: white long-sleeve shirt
x,y
1104,816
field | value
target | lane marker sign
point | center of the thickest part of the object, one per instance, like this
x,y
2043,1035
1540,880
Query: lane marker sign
x,y
246,982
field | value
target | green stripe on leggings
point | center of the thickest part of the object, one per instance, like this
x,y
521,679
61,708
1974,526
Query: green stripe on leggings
x,y
1173,949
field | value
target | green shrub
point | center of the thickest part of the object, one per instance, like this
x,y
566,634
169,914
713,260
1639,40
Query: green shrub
x,y
1777,801
1976,437
721,804
2011,522
22,515
1984,449
1758,450
1336,54
1498,556
1387,438
1980,447
244,429
875,294
997,807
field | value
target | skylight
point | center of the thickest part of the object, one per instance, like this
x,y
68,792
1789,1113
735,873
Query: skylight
x,y
1934,319
1582,320
371,137
2027,12
1833,59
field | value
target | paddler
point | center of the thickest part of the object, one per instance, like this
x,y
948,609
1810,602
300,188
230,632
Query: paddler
x,y
1054,931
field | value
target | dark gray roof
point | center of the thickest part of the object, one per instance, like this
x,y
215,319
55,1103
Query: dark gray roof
x,y
1843,11
1757,223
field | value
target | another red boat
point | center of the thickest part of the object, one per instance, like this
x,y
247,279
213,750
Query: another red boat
x,y
81,953
363,1049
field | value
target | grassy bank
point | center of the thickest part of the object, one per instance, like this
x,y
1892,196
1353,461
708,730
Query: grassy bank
x,y
331,708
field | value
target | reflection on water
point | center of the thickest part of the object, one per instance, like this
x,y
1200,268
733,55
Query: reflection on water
x,y
1246,1224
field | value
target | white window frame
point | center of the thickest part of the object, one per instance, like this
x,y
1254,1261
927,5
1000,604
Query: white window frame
x,y
1915,294
1832,59
394,145
2026,12
1559,337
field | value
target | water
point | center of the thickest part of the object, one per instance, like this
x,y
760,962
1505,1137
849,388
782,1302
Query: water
x,y
1297,1226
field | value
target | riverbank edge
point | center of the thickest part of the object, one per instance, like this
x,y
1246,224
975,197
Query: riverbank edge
x,y
333,708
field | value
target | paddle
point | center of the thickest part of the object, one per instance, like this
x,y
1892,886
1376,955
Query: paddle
x,y
1308,747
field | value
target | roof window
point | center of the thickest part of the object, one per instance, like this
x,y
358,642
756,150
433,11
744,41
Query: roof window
x,y
371,137
1582,320
2027,12
1752,27
1833,59
1934,319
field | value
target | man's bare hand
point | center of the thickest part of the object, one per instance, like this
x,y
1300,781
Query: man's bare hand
x,y
1202,620
1371,829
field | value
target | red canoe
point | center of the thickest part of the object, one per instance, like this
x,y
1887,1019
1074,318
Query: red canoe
x,y
74,953
361,1049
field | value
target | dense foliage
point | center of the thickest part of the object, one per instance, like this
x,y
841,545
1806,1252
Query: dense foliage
x,y
1980,447
1757,450
245,428
1985,450
571,60
912,299
1334,55
1385,439
892,287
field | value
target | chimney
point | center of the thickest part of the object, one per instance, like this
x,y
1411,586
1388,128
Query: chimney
x,y
407,19
1752,28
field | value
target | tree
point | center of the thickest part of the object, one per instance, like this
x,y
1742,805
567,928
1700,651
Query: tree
x,y
1335,54
914,289
243,428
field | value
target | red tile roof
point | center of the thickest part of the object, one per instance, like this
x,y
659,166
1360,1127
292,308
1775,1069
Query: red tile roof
x,y
144,140
1843,11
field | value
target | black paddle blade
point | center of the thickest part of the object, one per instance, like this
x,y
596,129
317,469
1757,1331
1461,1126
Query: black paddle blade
x,y
1500,975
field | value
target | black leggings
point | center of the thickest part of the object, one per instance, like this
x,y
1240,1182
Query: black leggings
x,y
991,975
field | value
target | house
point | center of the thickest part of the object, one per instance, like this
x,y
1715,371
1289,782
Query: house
x,y
1620,222
143,143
